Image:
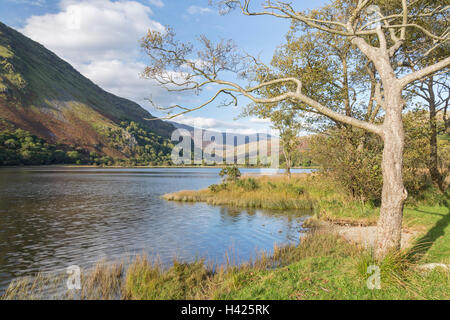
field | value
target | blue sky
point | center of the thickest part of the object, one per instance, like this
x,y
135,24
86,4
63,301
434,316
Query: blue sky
x,y
100,39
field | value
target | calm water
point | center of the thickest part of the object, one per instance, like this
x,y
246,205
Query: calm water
x,y
54,217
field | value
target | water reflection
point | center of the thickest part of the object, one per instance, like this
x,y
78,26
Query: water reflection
x,y
51,218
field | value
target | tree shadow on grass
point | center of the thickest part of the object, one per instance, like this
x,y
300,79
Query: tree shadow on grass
x,y
424,244
432,213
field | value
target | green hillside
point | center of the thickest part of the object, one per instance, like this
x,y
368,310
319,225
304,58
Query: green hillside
x,y
47,98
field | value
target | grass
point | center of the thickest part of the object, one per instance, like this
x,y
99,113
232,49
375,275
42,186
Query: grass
x,y
434,222
262,192
103,281
307,191
323,266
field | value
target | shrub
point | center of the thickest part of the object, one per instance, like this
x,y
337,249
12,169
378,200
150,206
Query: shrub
x,y
353,159
214,187
230,173
73,155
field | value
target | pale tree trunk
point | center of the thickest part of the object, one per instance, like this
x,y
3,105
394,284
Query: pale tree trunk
x,y
394,194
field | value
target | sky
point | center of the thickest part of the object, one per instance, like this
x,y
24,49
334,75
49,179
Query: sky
x,y
100,38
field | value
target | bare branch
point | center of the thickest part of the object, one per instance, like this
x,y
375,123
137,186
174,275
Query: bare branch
x,y
423,73
187,110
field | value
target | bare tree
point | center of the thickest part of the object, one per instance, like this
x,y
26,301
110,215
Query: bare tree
x,y
377,34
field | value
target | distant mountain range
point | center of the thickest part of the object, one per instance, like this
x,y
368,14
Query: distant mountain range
x,y
234,139
235,145
52,102
43,94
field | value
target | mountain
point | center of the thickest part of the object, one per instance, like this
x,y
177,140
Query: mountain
x,y
232,139
42,94
243,146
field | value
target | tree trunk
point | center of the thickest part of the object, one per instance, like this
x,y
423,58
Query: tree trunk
x,y
433,161
288,169
394,194
287,158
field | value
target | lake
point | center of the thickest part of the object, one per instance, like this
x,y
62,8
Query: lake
x,y
54,217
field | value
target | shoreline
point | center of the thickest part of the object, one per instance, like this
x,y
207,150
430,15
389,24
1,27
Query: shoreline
x,y
330,262
146,167
330,211
324,265
252,191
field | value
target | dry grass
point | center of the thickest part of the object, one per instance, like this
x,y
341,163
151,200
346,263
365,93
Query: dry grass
x,y
147,279
322,266
260,192
103,281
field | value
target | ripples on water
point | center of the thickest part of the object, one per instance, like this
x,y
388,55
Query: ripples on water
x,y
54,217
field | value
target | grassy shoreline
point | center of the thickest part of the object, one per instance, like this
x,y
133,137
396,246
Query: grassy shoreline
x,y
309,191
429,218
323,266
261,192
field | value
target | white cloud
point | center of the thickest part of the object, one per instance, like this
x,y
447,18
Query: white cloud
x,y
259,120
122,78
193,10
100,38
157,3
85,31
218,125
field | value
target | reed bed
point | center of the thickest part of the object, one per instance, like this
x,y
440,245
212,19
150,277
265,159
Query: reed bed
x,y
322,266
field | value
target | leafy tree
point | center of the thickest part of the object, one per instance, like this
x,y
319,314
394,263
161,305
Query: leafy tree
x,y
21,147
434,92
73,155
378,33
357,171
10,143
59,156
